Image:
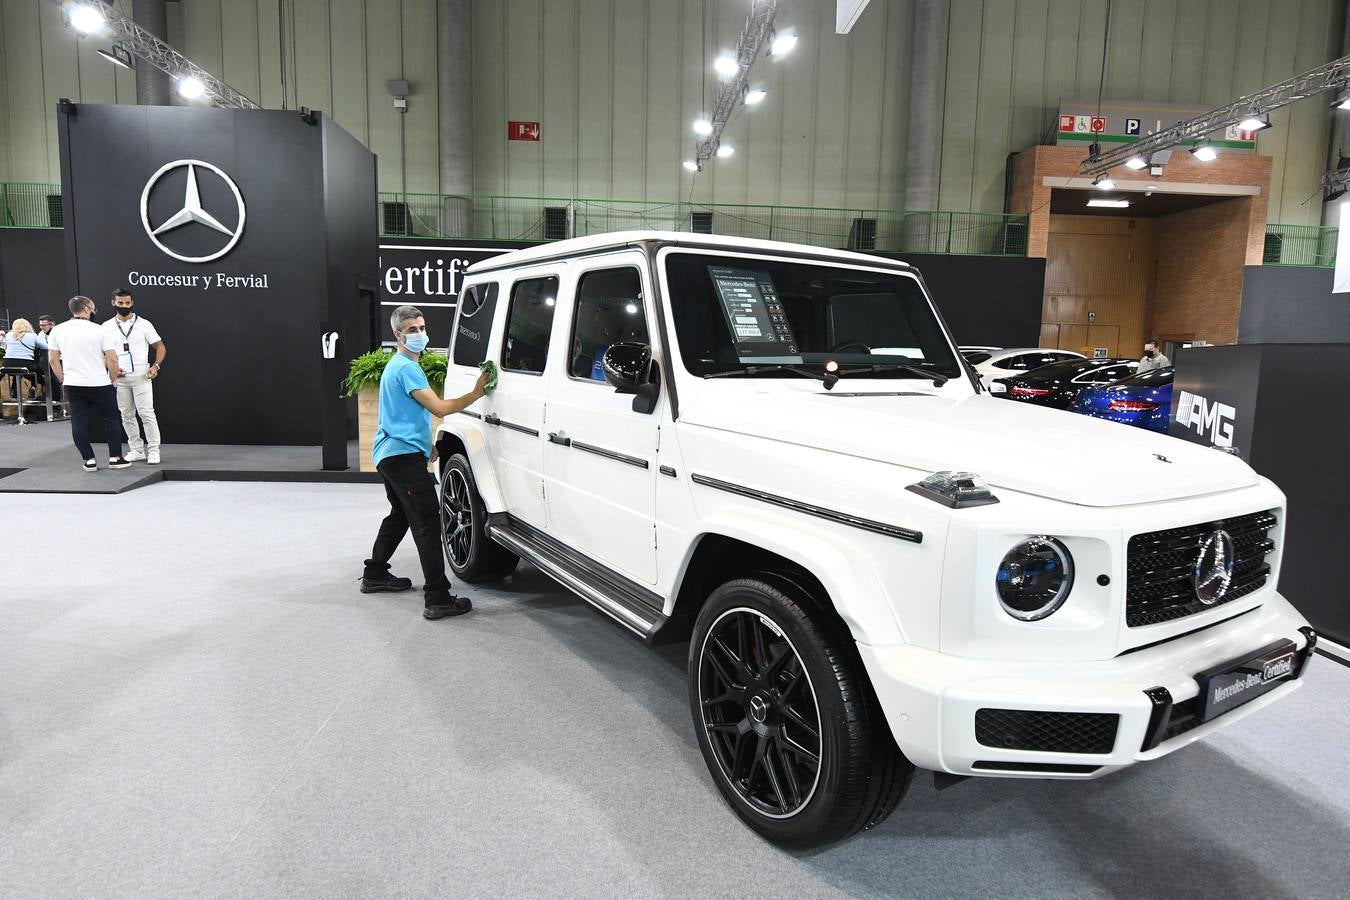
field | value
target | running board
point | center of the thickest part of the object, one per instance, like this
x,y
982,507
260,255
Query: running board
x,y
631,605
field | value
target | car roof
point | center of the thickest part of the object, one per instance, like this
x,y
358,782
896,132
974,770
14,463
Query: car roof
x,y
1017,351
617,240
1082,363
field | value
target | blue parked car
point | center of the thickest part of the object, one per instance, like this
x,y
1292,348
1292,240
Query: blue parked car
x,y
1143,400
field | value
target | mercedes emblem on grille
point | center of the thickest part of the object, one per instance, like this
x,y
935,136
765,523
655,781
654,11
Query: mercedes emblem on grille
x,y
1214,568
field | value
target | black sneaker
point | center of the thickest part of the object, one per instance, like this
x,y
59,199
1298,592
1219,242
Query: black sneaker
x,y
118,462
387,582
90,465
442,607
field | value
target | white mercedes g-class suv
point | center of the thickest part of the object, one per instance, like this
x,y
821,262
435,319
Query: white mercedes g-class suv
x,y
776,453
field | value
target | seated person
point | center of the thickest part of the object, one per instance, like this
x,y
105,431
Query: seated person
x,y
22,344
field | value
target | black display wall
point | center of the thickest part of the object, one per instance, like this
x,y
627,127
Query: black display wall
x,y
32,273
275,253
1291,305
987,300
1280,403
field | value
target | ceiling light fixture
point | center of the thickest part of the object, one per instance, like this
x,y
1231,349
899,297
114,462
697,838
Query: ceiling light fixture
x,y
702,127
1255,123
1136,163
783,43
691,165
755,96
191,88
1110,204
1205,153
727,65
725,150
1102,183
87,19
118,56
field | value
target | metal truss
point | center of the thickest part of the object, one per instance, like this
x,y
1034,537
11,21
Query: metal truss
x,y
756,34
145,46
1327,77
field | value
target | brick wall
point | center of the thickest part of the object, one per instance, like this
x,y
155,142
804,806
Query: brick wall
x,y
1200,255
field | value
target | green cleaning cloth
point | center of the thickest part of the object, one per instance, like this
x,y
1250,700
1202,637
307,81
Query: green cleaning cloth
x,y
489,367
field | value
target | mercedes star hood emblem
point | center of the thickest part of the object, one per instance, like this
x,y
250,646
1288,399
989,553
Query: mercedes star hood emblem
x,y
192,210
1214,568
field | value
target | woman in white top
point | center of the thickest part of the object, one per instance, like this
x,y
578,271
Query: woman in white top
x,y
21,346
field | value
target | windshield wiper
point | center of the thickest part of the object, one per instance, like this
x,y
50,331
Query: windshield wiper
x,y
937,378
774,367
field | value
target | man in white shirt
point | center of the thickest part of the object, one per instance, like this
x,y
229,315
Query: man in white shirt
x,y
134,337
82,356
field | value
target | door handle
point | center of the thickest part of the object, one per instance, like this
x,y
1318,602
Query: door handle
x,y
559,439
492,419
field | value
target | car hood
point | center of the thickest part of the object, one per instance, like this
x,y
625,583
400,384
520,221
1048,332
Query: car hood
x,y
1046,452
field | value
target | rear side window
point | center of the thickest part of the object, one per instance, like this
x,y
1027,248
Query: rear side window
x,y
529,324
1014,363
608,311
473,327
975,357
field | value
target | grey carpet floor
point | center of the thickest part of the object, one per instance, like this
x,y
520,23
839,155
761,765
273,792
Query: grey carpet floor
x,y
195,700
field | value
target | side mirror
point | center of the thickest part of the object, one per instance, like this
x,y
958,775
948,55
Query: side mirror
x,y
625,366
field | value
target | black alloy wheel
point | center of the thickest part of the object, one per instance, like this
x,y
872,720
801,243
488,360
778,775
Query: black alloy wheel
x,y
785,717
471,552
760,712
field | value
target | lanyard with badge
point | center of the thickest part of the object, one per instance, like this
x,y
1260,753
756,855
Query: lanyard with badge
x,y
126,340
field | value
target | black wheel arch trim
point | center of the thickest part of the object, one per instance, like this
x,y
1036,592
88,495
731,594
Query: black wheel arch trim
x,y
842,518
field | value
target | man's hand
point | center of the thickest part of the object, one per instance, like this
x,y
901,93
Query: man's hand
x,y
153,373
480,387
435,454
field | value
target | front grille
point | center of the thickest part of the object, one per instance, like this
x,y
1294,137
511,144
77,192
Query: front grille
x,y
1160,583
1049,732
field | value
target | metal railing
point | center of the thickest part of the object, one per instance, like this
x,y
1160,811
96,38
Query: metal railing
x,y
490,217
30,205
1300,245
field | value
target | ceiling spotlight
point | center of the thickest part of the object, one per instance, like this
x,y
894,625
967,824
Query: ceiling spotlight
x,y
725,150
1102,183
783,43
1255,123
119,56
86,19
1136,163
1110,204
690,165
727,65
1342,102
1205,153
702,127
755,96
631,309
191,88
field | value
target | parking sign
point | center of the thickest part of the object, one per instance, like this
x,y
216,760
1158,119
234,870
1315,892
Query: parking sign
x,y
1132,126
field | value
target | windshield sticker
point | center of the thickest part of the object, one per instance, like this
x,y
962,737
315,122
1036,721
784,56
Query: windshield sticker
x,y
755,316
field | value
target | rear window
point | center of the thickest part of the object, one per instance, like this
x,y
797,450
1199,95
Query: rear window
x,y
975,357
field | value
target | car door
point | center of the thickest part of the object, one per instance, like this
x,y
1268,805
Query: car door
x,y
515,410
600,455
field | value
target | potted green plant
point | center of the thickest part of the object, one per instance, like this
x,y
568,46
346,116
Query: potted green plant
x,y
363,383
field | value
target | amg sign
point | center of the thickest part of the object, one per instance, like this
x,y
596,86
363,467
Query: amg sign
x,y
1210,419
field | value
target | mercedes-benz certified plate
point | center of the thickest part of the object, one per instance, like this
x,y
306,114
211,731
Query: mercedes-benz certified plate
x,y
1234,683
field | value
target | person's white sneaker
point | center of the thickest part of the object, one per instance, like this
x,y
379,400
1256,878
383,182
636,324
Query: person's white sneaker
x,y
153,458
133,456
91,465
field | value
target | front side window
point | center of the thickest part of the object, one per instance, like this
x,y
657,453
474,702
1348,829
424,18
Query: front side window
x,y
765,317
529,324
608,311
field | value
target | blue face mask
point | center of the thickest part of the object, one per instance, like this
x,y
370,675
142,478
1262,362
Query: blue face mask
x,y
416,342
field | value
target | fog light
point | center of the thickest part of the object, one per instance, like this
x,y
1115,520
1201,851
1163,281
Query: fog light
x,y
1034,578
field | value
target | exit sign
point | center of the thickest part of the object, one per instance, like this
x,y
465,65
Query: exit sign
x,y
522,131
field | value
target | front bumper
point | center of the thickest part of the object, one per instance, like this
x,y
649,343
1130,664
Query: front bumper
x,y
931,699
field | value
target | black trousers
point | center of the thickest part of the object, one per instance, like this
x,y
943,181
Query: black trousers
x,y
412,507
102,400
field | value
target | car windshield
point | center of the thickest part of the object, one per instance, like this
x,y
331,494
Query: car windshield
x,y
762,316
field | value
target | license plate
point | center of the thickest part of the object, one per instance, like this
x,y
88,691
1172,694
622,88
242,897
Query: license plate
x,y
1232,684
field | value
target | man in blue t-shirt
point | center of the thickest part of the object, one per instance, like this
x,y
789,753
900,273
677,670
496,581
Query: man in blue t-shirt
x,y
402,451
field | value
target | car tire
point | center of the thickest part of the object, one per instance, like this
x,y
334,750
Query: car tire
x,y
785,717
473,555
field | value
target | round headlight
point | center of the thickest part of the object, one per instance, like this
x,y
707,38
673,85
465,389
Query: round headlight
x,y
1034,578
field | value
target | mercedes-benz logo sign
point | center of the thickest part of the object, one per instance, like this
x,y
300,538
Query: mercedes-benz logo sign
x,y
759,709
192,210
1214,568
